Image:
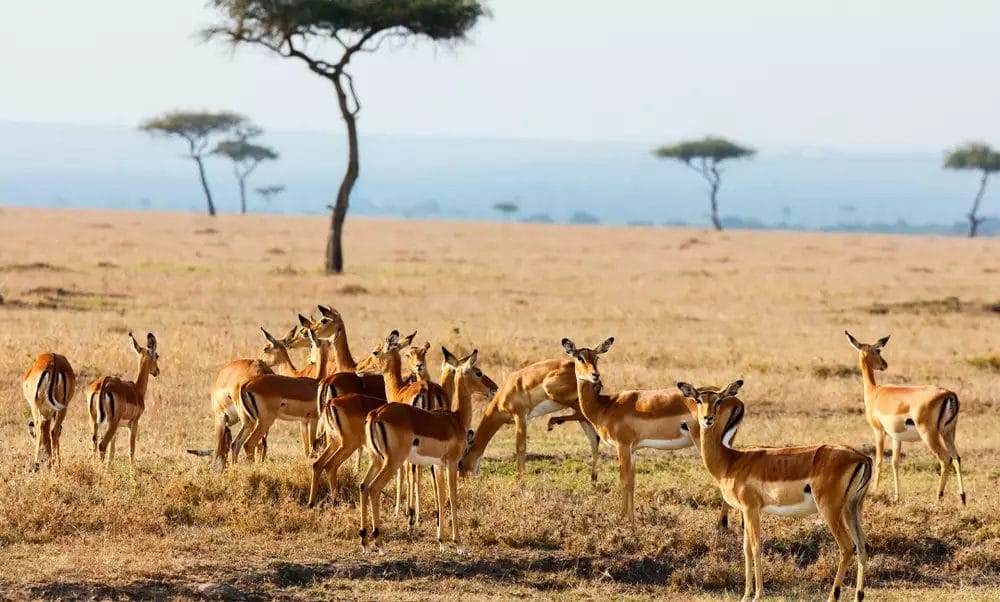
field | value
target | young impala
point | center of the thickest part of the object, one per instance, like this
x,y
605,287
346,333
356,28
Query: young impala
x,y
536,390
397,433
633,420
269,397
788,481
112,400
48,386
908,413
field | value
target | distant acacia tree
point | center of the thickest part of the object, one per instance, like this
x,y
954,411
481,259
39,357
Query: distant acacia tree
x,y
508,209
267,192
980,157
196,129
704,157
245,156
297,28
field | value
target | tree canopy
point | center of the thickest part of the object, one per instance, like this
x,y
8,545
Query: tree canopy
x,y
711,148
244,151
974,155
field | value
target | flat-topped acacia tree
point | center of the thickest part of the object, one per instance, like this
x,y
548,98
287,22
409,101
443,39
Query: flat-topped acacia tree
x,y
196,128
245,155
704,157
980,157
296,29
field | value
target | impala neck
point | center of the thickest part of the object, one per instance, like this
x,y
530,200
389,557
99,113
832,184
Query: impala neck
x,y
342,353
284,364
319,359
461,402
142,378
493,419
447,378
716,456
592,404
868,376
392,370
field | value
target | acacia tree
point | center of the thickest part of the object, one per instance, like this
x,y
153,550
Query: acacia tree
x,y
978,156
295,28
245,156
704,157
506,208
269,192
196,129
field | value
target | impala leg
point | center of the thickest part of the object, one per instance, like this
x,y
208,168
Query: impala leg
x,y
852,518
133,430
879,452
897,446
453,495
438,476
415,478
836,520
246,425
521,432
375,488
627,469
260,428
56,433
42,441
724,516
938,448
366,502
752,522
221,443
333,467
747,561
948,437
595,447
306,438
400,477
318,466
109,440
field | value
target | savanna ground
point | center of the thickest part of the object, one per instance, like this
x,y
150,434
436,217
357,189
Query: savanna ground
x,y
683,304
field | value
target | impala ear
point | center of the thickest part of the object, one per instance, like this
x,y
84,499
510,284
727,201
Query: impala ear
x,y
393,339
270,339
329,312
427,346
470,362
603,347
449,357
689,391
854,342
881,342
569,346
305,321
151,343
731,390
135,344
408,339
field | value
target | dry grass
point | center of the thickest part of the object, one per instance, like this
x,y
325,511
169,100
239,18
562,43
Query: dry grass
x,y
702,307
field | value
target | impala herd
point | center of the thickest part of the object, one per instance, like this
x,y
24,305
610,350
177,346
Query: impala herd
x,y
343,406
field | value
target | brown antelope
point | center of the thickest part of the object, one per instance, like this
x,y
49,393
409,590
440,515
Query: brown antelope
x,y
397,433
633,420
908,413
345,416
542,388
269,397
112,400
786,481
48,386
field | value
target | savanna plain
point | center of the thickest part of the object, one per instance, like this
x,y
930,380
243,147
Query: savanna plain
x,y
683,304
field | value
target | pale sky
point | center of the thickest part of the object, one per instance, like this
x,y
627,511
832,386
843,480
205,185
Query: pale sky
x,y
775,74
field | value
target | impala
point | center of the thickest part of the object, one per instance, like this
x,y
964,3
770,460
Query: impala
x,y
341,361
787,481
398,433
345,415
112,400
908,413
269,397
48,386
633,420
536,390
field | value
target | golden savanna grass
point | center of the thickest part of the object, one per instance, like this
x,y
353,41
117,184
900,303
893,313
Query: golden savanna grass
x,y
683,304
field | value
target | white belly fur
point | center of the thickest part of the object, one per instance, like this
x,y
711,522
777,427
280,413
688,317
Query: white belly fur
x,y
804,508
415,458
679,443
909,433
546,407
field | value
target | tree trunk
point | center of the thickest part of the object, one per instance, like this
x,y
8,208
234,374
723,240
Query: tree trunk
x,y
338,212
242,179
204,184
714,198
974,219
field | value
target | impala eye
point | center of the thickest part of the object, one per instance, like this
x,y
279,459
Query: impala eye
x,y
479,373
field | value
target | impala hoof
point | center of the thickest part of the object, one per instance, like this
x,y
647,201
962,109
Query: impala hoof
x,y
460,549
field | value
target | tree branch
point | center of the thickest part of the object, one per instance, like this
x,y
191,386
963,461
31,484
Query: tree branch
x,y
354,95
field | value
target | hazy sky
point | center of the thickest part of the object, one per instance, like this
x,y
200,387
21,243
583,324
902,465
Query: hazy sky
x,y
887,74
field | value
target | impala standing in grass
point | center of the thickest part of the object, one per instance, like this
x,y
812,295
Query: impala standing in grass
x,y
908,413
48,387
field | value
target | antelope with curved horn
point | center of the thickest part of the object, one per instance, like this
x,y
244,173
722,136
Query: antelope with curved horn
x,y
633,420
112,401
397,433
908,413
786,481
536,390
48,386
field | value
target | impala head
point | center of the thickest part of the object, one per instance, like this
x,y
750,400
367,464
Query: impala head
x,y
585,360
715,405
328,326
475,379
274,350
871,355
416,358
148,358
376,361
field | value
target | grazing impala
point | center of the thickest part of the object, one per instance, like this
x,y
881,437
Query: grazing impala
x,y
345,415
788,481
48,386
398,433
112,400
542,388
632,420
908,413
269,397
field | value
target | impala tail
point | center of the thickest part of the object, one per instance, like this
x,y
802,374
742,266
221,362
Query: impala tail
x,y
949,412
51,379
